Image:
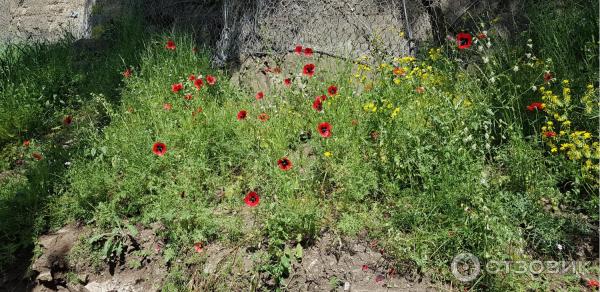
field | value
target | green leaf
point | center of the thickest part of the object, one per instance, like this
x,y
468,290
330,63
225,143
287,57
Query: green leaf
x,y
95,238
132,230
299,251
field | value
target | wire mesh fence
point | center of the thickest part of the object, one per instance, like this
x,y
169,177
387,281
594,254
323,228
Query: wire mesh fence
x,y
340,28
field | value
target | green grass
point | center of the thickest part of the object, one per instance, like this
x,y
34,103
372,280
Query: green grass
x,y
41,84
460,167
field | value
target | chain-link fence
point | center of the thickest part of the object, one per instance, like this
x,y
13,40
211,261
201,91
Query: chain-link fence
x,y
340,28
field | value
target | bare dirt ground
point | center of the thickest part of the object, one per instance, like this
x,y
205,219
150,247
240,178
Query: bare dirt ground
x,y
329,264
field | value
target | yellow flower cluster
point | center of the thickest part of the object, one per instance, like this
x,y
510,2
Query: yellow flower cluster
x,y
387,108
558,133
370,107
435,54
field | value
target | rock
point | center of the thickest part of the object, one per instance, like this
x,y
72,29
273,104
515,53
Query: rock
x,y
45,276
83,279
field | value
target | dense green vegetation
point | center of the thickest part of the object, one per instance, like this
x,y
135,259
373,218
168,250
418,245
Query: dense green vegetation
x,y
433,156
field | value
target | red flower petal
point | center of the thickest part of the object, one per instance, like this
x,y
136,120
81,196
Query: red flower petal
x,y
159,148
298,50
464,40
176,87
260,95
263,117
309,70
198,83
242,115
170,45
284,164
308,52
324,129
535,106
332,90
211,80
317,104
198,247
252,199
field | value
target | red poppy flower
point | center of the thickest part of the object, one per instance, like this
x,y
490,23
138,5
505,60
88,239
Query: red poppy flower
x,y
260,95
252,199
481,36
549,134
263,117
548,77
535,106
68,120
192,77
211,80
332,90
242,115
298,50
593,283
170,45
284,164
37,156
127,73
159,148
198,247
365,268
308,52
26,143
188,97
287,82
309,70
324,129
198,83
167,106
317,104
323,97
420,90
176,87
464,40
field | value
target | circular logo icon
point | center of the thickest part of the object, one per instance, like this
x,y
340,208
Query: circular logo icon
x,y
465,267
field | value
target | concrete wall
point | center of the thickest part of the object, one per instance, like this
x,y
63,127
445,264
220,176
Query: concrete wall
x,y
43,19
